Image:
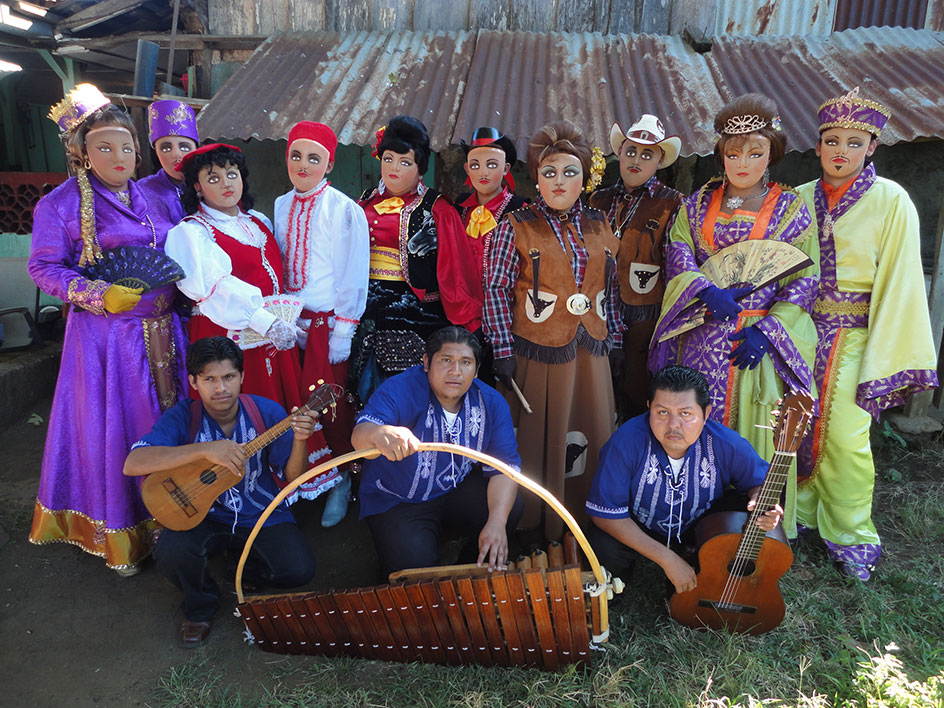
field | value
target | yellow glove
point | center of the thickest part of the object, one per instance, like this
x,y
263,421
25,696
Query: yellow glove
x,y
118,298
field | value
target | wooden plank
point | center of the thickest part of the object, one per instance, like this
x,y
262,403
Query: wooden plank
x,y
537,589
496,643
313,641
654,16
437,15
274,15
533,15
601,16
389,606
518,597
574,16
418,640
248,614
557,595
470,610
332,613
98,12
265,609
292,635
622,17
390,14
488,14
452,603
504,602
577,610
348,606
424,618
309,15
231,17
345,16
436,606
322,632
389,647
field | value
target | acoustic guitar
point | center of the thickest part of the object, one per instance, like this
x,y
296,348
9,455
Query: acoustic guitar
x,y
181,497
740,564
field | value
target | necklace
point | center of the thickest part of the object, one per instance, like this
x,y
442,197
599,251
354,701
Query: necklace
x,y
736,202
124,197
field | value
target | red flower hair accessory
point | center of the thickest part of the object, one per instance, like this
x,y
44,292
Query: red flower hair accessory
x,y
380,135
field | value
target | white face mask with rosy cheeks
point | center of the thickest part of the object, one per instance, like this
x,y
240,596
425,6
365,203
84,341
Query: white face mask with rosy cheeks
x,y
560,180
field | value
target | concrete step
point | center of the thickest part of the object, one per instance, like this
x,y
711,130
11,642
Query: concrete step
x,y
26,377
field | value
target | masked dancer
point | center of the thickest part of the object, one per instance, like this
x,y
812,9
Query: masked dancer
x,y
172,130
122,358
875,347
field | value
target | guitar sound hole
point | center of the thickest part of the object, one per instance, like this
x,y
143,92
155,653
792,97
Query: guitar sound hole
x,y
743,570
208,476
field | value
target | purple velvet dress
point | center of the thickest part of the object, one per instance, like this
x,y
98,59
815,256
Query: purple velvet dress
x,y
163,194
118,373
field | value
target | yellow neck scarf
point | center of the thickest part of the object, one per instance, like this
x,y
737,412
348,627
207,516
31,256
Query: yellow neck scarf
x,y
393,205
481,221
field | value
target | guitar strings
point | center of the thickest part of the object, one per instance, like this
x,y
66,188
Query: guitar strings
x,y
764,504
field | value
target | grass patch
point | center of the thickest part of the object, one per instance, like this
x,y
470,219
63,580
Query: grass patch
x,y
842,644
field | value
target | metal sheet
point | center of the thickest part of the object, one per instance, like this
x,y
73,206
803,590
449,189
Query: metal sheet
x,y
352,81
774,17
901,68
871,13
519,81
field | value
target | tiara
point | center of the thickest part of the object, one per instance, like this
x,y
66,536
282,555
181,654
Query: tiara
x,y
738,125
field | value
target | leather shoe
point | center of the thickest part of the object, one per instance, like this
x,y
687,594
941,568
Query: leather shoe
x,y
193,634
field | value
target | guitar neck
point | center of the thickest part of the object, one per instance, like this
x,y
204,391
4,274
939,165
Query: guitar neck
x,y
753,536
269,436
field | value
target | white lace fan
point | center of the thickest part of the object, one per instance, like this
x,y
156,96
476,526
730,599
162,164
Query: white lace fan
x,y
754,264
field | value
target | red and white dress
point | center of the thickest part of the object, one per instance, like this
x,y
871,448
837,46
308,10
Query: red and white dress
x,y
324,241
234,276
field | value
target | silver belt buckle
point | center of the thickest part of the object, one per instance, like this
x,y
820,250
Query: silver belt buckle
x,y
578,304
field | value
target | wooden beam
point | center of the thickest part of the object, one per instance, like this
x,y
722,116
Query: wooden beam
x,y
191,42
97,13
126,99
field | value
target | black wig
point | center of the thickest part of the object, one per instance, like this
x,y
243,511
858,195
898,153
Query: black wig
x,y
220,157
405,133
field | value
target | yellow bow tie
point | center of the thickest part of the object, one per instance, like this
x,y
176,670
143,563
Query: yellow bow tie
x,y
481,221
393,205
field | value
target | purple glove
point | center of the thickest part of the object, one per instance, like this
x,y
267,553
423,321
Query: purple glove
x,y
723,301
748,353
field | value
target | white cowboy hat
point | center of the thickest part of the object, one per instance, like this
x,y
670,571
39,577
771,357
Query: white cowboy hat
x,y
647,130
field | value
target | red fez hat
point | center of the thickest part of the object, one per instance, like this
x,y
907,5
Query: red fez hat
x,y
318,132
209,147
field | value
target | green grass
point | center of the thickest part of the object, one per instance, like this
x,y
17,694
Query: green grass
x,y
842,643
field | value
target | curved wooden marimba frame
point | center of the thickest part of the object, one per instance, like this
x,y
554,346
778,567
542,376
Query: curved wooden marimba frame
x,y
596,586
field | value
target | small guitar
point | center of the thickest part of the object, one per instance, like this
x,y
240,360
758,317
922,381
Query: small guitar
x,y
739,563
179,498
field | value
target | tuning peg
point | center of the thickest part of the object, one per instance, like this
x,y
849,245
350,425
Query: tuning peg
x,y
320,381
311,388
324,412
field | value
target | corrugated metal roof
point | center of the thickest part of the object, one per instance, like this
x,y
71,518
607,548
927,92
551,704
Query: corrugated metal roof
x,y
753,17
872,13
520,81
353,81
901,68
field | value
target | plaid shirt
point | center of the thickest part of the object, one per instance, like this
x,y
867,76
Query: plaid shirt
x,y
632,200
504,269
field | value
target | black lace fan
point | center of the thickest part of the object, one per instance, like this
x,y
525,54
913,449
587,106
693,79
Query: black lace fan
x,y
135,267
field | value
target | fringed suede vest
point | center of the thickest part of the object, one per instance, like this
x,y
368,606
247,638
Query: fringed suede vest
x,y
640,262
551,316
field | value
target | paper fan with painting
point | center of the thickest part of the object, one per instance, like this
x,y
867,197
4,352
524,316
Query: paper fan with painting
x,y
751,264
135,267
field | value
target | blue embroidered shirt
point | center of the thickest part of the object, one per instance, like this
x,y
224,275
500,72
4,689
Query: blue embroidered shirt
x,y
483,423
243,504
634,477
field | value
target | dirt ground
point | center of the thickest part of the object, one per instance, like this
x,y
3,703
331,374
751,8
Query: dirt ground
x,y
76,634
